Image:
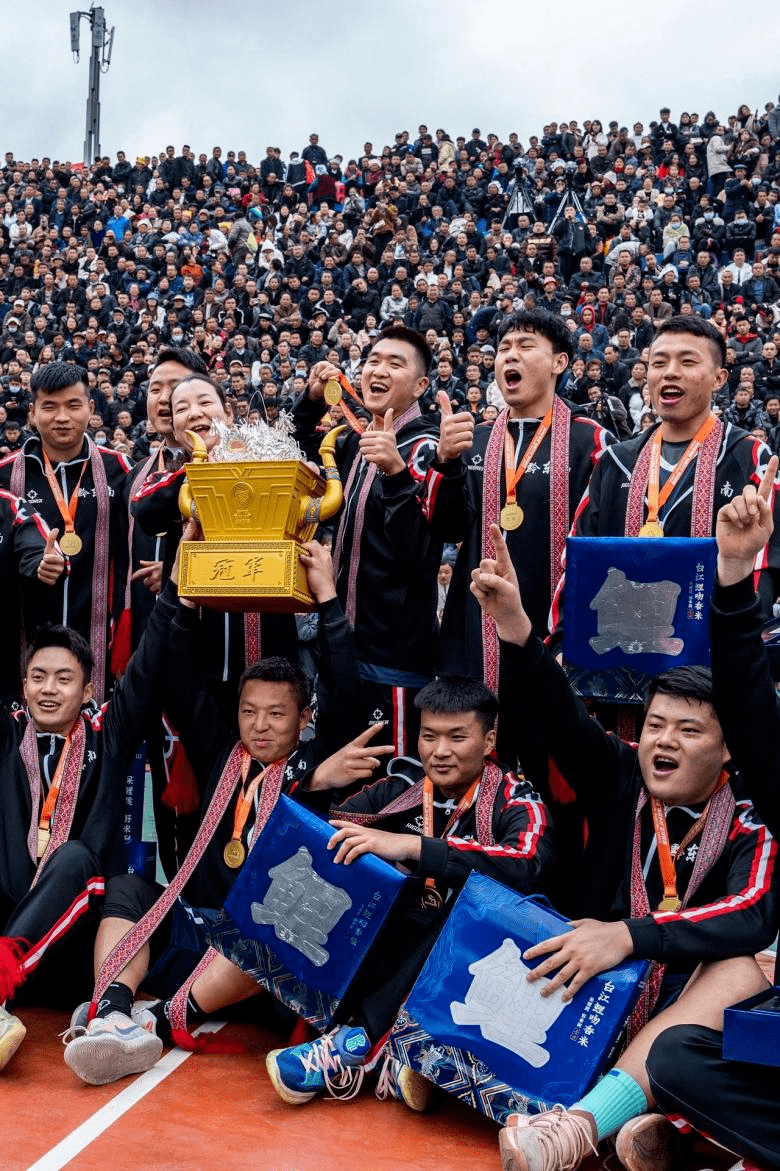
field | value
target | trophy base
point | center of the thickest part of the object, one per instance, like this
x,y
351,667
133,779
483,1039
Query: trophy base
x,y
265,576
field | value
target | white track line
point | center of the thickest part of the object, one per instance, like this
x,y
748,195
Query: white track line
x,y
74,1143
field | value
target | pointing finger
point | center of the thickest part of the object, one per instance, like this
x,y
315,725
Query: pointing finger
x,y
767,483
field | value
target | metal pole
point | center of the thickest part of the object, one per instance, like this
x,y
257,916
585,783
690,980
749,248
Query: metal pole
x,y
92,140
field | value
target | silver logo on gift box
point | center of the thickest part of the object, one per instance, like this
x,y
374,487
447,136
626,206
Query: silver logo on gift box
x,y
636,616
302,907
508,1010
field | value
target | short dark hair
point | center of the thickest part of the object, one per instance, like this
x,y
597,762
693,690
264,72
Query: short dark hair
x,y
452,694
55,376
68,639
694,683
184,356
548,325
215,386
275,669
697,327
402,333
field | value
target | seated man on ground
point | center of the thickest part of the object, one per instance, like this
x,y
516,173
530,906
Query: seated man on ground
x,y
455,811
239,783
62,776
735,1103
700,907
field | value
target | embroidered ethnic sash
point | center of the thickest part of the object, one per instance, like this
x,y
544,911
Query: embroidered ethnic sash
x,y
491,509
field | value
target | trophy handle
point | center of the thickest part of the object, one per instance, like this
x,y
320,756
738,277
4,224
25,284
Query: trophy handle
x,y
199,456
318,509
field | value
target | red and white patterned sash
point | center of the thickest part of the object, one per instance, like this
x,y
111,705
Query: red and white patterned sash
x,y
493,484
711,844
65,808
140,932
413,412
703,487
100,575
492,776
252,636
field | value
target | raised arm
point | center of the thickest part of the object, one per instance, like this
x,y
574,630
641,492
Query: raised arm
x,y
745,697
541,697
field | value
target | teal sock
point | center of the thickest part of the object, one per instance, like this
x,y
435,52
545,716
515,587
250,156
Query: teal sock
x,y
613,1101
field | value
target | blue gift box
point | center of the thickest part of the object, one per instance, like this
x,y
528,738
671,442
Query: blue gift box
x,y
475,1026
751,1029
297,921
635,607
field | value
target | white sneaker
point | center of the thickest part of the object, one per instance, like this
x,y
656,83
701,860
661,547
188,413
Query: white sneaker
x,y
12,1033
110,1048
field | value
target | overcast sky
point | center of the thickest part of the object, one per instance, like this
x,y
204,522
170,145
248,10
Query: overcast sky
x,y
248,73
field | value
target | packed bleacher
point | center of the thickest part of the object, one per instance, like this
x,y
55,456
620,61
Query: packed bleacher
x,y
492,346
265,266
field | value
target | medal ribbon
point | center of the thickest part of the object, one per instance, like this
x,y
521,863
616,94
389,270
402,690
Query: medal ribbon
x,y
47,812
427,804
246,796
716,827
671,901
346,386
515,474
657,496
67,511
70,782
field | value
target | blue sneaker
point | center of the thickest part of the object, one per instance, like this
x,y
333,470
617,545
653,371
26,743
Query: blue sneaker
x,y
333,1063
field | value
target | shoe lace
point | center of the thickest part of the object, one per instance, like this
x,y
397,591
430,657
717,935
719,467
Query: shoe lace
x,y
341,1081
564,1138
387,1086
71,1033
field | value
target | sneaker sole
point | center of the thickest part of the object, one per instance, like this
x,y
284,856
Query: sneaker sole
x,y
512,1158
292,1097
659,1149
10,1042
415,1090
99,1060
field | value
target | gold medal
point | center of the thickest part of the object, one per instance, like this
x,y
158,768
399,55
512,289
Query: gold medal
x,y
234,854
70,543
669,903
431,900
44,836
653,528
512,516
332,392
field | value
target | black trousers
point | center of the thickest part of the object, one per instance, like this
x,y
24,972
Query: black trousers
x,y
732,1102
58,918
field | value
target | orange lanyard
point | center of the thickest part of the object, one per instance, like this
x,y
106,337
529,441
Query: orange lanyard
x,y
235,851
334,393
70,544
512,515
44,822
657,496
671,901
431,897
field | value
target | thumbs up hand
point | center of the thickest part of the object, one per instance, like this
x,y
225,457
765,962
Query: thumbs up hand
x,y
380,447
456,433
52,563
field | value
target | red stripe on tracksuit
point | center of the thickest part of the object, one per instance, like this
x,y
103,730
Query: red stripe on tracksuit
x,y
95,886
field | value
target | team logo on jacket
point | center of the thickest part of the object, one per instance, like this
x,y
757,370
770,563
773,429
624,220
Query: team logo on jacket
x,y
423,451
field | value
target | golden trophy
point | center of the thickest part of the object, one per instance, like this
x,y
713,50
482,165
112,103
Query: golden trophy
x,y
255,514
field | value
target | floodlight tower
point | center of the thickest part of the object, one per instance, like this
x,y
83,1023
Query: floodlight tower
x,y
102,42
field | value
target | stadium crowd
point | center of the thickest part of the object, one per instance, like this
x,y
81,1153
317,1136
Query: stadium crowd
x,y
581,332
267,266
